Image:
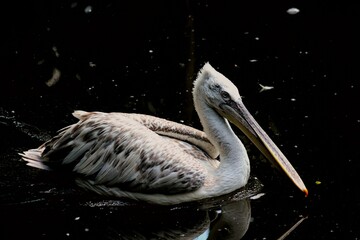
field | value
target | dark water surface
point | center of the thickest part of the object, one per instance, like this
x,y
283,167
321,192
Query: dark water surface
x,y
132,56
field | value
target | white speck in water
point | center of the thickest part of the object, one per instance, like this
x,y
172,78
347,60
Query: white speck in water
x,y
91,64
54,78
295,146
77,218
88,9
86,229
56,52
257,38
67,234
293,99
257,196
40,62
293,11
253,60
265,88
151,51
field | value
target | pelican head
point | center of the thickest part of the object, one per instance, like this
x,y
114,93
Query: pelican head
x,y
222,96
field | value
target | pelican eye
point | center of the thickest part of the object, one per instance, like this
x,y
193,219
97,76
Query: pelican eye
x,y
225,95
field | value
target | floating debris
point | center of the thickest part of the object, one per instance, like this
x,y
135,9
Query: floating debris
x,y
265,88
56,52
317,182
287,233
40,62
257,196
88,9
253,60
293,11
54,78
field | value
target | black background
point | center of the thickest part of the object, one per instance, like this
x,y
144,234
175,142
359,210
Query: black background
x,y
134,56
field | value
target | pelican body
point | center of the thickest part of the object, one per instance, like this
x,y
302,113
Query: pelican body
x,y
151,159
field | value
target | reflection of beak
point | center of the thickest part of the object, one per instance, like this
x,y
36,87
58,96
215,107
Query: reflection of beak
x,y
236,112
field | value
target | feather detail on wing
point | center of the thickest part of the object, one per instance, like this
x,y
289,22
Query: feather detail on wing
x,y
120,150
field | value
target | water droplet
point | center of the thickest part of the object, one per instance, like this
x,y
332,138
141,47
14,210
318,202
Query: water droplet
x,y
293,11
88,9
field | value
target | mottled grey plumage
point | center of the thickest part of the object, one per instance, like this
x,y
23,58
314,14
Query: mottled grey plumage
x,y
117,150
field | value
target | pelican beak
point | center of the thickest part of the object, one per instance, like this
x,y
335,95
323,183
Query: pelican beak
x,y
236,113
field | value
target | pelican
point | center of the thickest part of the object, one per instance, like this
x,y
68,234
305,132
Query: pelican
x,y
150,159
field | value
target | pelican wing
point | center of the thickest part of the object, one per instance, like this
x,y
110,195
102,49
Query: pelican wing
x,y
118,150
177,131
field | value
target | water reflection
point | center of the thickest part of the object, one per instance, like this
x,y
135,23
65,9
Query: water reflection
x,y
58,210
226,217
229,221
